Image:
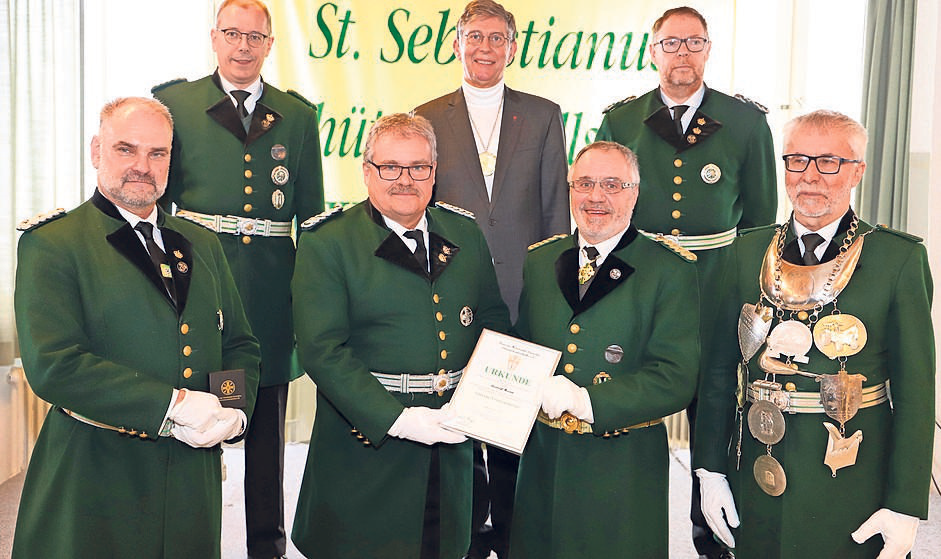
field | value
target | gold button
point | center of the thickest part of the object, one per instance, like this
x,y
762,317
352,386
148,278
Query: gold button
x,y
676,214
143,435
674,232
571,348
790,387
439,317
247,208
246,240
248,173
248,189
677,163
442,335
677,196
435,298
677,180
444,354
569,368
187,372
187,350
441,371
248,157
185,329
802,315
574,328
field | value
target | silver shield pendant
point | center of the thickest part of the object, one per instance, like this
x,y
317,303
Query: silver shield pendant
x,y
754,323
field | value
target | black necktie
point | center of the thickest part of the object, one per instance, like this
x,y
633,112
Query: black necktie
x,y
811,242
420,254
678,112
240,97
158,257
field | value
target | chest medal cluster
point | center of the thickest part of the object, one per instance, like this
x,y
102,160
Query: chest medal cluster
x,y
792,301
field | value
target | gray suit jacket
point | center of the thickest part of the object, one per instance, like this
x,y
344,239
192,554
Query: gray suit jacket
x,y
530,195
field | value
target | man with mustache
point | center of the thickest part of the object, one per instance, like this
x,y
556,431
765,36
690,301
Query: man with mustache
x,y
123,312
501,155
623,309
832,444
390,297
708,163
246,164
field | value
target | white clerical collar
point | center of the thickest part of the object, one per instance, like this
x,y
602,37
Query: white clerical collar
x,y
400,230
483,97
604,247
255,89
828,231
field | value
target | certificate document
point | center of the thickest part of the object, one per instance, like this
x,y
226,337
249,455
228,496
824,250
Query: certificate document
x,y
500,392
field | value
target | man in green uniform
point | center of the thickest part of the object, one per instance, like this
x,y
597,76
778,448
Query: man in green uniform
x,y
837,383
389,299
624,310
708,163
122,313
246,163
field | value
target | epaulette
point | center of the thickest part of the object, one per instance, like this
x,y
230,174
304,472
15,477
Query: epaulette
x,y
669,243
543,242
454,209
157,88
748,101
302,99
896,232
40,219
617,104
321,218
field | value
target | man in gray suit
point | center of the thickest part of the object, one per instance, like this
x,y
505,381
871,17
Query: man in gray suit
x,y
501,155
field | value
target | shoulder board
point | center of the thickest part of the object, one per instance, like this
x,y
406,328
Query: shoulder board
x,y
617,104
313,222
157,88
551,239
454,209
896,232
303,99
40,219
748,101
753,229
669,243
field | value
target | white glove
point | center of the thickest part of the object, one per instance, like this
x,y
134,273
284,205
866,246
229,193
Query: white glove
x,y
198,410
423,425
717,504
560,394
230,424
897,529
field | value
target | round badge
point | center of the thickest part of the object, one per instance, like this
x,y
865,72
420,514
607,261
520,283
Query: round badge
x,y
766,422
770,475
467,316
790,338
615,274
691,139
182,267
278,152
613,353
228,387
280,175
277,197
840,335
711,173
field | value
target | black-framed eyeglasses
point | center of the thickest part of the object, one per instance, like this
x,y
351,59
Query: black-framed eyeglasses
x,y
234,36
672,44
826,164
476,38
608,186
393,172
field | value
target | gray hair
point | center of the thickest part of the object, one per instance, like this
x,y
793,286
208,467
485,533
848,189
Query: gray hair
x,y
113,106
403,125
487,8
831,121
629,156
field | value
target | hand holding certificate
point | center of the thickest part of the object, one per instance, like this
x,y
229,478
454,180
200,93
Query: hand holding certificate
x,y
500,392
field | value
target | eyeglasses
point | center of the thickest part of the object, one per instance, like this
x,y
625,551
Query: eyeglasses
x,y
608,186
476,38
826,164
693,44
393,172
234,36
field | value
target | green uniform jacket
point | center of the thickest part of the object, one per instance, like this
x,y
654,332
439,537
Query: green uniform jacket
x,y
674,197
362,304
593,496
890,292
218,169
99,336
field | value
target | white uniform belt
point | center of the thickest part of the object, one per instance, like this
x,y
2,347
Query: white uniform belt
x,y
427,383
238,225
809,402
699,242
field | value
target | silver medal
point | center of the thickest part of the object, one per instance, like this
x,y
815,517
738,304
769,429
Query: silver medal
x,y
766,422
280,175
790,338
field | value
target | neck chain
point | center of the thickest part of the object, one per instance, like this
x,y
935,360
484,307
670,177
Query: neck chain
x,y
488,160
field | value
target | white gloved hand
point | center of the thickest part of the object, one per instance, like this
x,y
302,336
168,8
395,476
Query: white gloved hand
x,y
230,424
717,504
897,529
560,394
198,410
423,425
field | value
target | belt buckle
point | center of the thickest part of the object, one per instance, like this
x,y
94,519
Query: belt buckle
x,y
771,391
570,423
440,383
246,226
